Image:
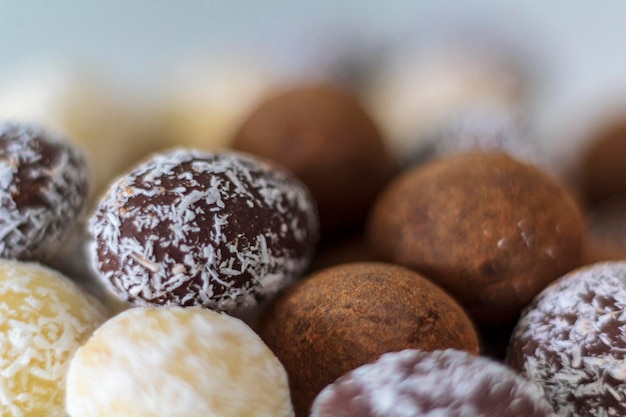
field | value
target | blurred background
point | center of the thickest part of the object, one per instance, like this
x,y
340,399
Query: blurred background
x,y
186,72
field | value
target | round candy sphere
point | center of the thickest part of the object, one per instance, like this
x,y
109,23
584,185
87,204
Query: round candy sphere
x,y
223,231
346,316
171,362
446,383
44,187
44,318
489,229
571,341
325,137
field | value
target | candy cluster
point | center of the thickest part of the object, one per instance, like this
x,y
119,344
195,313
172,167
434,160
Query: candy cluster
x,y
315,267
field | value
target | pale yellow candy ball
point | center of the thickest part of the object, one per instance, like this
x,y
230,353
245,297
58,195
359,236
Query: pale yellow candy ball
x,y
167,362
44,318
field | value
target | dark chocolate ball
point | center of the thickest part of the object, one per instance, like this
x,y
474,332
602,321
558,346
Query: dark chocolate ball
x,y
187,228
44,188
348,315
326,139
604,163
606,231
571,341
491,230
446,383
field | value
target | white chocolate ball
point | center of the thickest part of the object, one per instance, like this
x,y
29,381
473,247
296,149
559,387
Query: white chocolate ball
x,y
44,318
167,362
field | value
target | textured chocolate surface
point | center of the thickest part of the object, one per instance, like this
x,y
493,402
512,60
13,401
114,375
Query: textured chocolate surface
x,y
491,230
446,383
326,139
44,187
572,342
348,315
187,228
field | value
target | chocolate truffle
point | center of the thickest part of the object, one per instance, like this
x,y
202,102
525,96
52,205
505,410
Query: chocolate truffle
x,y
416,383
44,318
425,82
606,231
491,230
571,341
327,140
44,186
172,362
220,230
603,163
348,315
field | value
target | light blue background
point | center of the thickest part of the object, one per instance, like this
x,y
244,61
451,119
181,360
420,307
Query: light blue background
x,y
582,44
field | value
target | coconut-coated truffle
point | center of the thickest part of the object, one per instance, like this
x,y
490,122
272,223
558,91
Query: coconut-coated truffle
x,y
220,230
171,362
44,318
326,139
446,383
348,315
571,342
491,230
44,187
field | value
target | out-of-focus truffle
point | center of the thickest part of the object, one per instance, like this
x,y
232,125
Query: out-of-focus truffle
x,y
326,139
44,187
606,231
604,163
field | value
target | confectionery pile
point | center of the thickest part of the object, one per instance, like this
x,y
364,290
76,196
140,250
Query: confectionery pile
x,y
401,244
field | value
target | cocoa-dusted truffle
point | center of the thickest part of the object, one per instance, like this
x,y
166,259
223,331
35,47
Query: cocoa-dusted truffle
x,y
572,342
446,383
603,163
606,231
223,231
348,315
491,230
327,140
44,187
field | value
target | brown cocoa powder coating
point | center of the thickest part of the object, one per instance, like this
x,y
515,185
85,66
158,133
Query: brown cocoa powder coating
x,y
327,140
604,164
348,315
491,230
606,231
